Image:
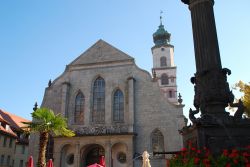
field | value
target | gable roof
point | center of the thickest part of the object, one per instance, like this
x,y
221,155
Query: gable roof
x,y
7,131
101,52
13,120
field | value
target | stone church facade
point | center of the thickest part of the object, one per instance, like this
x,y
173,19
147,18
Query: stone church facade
x,y
116,109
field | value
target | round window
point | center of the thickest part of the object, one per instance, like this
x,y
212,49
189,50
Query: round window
x,y
70,159
121,157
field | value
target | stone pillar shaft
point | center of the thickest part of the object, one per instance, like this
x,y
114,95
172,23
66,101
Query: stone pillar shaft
x,y
206,46
108,154
77,154
212,93
131,105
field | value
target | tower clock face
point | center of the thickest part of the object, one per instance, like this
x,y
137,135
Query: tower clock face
x,y
121,157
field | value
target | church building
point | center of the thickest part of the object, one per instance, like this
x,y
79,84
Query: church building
x,y
116,109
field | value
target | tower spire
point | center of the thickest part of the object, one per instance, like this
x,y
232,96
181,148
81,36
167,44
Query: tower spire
x,y
164,70
161,36
161,17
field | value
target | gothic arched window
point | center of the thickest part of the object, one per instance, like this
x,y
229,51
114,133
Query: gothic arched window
x,y
163,61
98,112
79,108
164,79
118,106
157,141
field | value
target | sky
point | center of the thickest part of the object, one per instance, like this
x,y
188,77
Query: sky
x,y
39,38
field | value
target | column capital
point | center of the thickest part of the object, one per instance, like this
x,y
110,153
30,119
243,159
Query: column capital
x,y
191,3
108,143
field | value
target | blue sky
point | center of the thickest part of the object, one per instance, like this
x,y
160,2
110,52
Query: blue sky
x,y
39,38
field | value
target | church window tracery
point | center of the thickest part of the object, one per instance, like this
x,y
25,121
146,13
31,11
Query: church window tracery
x,y
98,112
118,106
157,141
79,108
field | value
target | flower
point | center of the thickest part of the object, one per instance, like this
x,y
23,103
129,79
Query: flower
x,y
225,153
191,156
183,149
196,160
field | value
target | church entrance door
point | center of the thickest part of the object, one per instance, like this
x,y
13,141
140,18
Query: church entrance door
x,y
93,154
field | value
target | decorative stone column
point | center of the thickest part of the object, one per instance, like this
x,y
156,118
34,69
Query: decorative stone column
x,y
57,155
77,154
212,93
108,155
215,129
130,152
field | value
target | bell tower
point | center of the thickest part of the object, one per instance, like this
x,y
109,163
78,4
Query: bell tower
x,y
164,69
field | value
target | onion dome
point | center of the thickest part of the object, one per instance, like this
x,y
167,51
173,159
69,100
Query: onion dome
x,y
161,36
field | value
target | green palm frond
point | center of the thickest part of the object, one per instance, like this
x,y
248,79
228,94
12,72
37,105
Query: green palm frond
x,y
44,120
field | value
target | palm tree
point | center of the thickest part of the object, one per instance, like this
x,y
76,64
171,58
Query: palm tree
x,y
45,122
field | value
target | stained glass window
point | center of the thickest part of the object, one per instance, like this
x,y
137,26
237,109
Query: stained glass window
x,y
79,108
118,106
157,140
98,112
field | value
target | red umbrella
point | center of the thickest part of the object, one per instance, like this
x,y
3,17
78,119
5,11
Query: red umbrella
x,y
102,161
50,163
95,165
30,162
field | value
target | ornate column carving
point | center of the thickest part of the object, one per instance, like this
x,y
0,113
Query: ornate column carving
x,y
212,93
215,129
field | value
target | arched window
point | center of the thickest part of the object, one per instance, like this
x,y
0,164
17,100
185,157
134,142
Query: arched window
x,y
163,61
98,113
118,106
164,79
157,141
79,108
